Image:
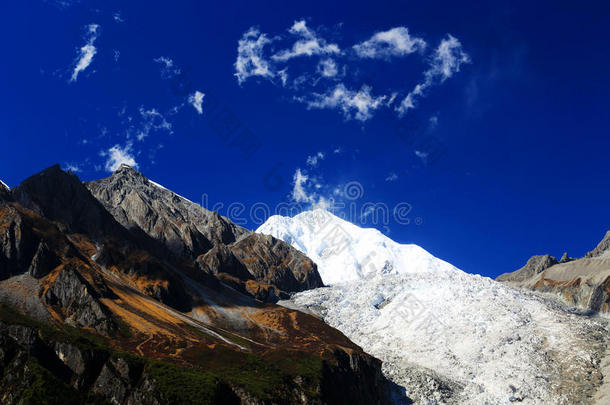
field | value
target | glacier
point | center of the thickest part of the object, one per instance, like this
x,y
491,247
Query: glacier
x,y
444,335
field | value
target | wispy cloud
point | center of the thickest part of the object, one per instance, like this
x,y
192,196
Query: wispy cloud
x,y
86,52
196,100
250,60
168,67
327,68
355,104
298,190
152,120
73,167
392,177
308,44
445,62
313,160
117,156
391,43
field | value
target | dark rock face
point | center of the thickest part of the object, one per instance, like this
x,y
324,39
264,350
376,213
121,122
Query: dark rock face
x,y
353,379
79,301
275,262
61,197
220,259
535,265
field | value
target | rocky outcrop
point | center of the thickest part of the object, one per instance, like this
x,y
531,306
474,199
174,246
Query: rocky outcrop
x,y
275,262
79,301
534,266
583,282
602,249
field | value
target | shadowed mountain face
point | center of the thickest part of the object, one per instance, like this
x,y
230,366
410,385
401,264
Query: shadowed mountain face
x,y
131,300
583,282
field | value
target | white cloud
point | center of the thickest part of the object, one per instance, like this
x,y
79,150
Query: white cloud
x,y
358,104
327,68
338,150
298,191
422,155
74,168
392,177
152,120
196,100
313,160
309,44
86,52
445,62
250,60
168,67
117,55
257,56
118,18
393,42
117,156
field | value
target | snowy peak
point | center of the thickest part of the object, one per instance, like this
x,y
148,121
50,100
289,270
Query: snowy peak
x,y
4,185
346,252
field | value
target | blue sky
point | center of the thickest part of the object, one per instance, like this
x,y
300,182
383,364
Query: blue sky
x,y
486,125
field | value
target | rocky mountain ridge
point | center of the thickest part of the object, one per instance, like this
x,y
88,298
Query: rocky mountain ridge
x,y
93,310
581,282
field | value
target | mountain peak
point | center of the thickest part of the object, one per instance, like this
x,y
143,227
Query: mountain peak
x,y
603,247
346,252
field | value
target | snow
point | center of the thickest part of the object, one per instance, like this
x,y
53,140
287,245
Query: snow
x,y
346,252
166,189
4,184
443,334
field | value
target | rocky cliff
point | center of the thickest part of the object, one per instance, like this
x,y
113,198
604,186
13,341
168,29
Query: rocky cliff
x,y
583,282
100,307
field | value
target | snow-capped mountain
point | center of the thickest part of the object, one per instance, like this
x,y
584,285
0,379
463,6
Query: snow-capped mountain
x,y
444,335
346,252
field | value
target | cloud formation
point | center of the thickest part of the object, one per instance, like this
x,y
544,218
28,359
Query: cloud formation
x,y
445,62
250,60
394,42
355,104
308,44
117,156
86,52
324,75
196,100
313,160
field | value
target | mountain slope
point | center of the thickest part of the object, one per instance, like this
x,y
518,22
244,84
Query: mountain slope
x,y
89,312
190,231
583,282
445,335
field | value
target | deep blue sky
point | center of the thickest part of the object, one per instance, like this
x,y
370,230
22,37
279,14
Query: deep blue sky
x,y
524,125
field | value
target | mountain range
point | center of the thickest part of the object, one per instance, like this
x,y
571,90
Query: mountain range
x,y
121,291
